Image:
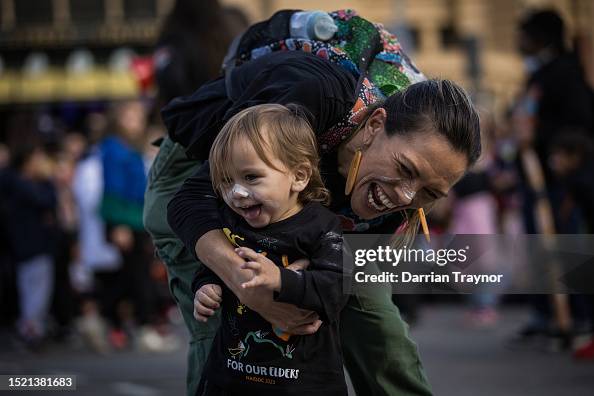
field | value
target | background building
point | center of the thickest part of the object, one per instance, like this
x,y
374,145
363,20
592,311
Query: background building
x,y
72,49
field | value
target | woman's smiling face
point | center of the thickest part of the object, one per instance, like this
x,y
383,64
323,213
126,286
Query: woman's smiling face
x,y
403,170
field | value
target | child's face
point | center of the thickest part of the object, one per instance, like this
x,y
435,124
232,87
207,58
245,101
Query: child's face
x,y
257,192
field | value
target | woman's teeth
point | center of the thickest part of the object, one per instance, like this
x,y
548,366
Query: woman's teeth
x,y
384,198
384,202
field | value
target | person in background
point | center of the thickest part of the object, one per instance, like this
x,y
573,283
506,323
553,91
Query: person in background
x,y
124,182
474,212
8,294
556,93
95,253
64,301
30,200
191,47
556,97
571,163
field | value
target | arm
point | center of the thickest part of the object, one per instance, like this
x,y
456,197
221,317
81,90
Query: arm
x,y
324,89
193,216
204,276
320,287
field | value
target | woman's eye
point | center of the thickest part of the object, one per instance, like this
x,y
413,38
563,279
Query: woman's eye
x,y
407,172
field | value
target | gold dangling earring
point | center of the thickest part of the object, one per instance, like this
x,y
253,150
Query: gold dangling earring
x,y
353,172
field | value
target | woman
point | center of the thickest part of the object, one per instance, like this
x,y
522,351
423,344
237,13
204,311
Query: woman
x,y
413,148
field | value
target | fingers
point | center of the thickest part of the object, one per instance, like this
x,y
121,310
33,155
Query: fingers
x,y
306,329
248,254
201,313
307,324
299,265
255,282
213,292
310,317
199,317
253,265
206,300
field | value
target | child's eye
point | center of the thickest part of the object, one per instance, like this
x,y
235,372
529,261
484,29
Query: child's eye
x,y
251,177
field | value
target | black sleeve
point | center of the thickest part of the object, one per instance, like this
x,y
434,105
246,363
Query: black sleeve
x,y
320,287
204,276
193,210
324,89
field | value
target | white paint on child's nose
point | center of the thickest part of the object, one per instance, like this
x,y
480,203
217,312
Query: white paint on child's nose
x,y
240,191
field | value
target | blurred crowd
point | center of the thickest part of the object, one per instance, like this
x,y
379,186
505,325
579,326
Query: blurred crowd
x,y
75,260
536,176
73,240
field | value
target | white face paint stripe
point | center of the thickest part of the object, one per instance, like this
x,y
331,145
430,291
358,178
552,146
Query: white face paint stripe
x,y
240,191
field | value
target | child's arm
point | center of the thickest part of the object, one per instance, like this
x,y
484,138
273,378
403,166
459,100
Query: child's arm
x,y
319,288
203,277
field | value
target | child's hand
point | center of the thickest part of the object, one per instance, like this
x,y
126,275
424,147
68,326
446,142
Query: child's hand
x,y
298,265
207,299
266,273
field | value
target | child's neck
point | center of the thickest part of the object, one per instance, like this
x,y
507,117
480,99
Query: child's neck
x,y
296,208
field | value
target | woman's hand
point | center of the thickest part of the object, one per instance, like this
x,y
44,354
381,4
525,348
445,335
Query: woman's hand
x,y
265,273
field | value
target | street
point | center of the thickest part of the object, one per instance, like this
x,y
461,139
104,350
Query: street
x,y
460,360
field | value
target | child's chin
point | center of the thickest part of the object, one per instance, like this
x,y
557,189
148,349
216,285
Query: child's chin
x,y
258,223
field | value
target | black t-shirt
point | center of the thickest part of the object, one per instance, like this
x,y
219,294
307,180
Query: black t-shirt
x,y
247,353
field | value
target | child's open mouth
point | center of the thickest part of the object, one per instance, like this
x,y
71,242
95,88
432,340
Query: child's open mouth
x,y
251,212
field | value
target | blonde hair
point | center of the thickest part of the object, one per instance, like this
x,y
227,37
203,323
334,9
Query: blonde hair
x,y
284,131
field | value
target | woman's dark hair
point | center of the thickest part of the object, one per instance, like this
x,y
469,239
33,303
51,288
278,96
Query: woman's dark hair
x,y
436,105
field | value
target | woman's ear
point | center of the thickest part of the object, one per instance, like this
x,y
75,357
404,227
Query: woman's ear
x,y
302,174
375,124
